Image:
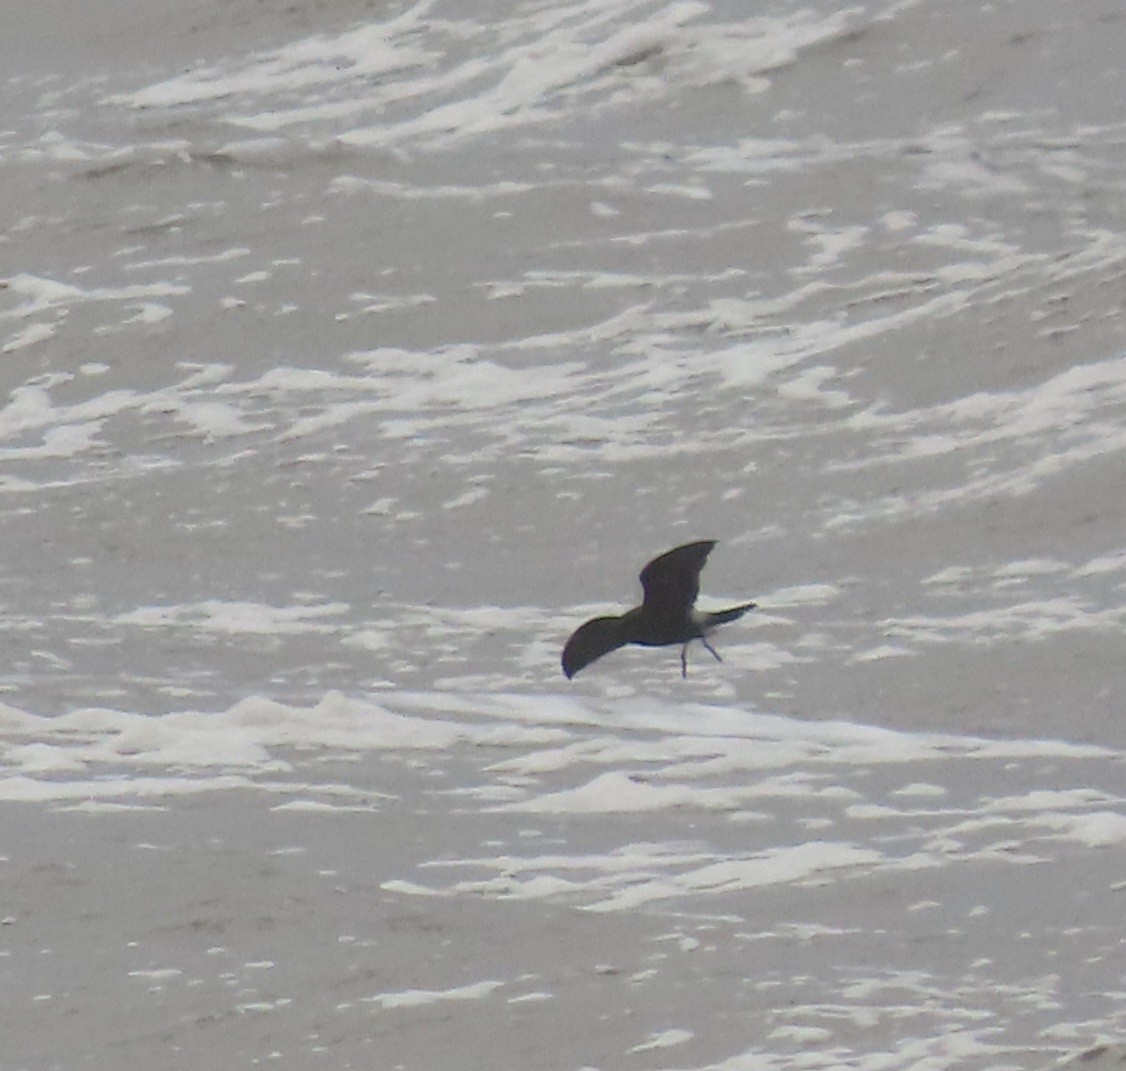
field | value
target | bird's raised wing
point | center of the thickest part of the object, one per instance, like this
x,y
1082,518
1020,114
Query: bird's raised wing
x,y
672,581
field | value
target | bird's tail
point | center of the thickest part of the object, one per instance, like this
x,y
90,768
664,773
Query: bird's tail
x,y
721,617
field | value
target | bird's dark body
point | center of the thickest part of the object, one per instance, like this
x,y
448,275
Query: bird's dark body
x,y
648,633
666,616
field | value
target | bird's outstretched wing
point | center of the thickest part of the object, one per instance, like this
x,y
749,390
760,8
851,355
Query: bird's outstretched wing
x,y
590,641
672,581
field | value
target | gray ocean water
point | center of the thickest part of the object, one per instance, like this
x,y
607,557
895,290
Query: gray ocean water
x,y
353,354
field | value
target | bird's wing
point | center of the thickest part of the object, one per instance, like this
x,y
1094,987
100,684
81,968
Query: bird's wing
x,y
590,641
672,581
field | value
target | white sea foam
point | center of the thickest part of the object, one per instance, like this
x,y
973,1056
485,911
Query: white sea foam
x,y
44,294
664,1039
545,58
691,746
237,618
1027,621
594,761
414,998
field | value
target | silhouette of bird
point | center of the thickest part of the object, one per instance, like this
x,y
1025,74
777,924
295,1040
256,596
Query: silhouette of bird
x,y
667,614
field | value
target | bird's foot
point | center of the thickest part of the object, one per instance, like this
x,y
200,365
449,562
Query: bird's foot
x,y
684,661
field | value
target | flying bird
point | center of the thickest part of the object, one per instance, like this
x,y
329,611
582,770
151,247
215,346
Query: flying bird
x,y
667,614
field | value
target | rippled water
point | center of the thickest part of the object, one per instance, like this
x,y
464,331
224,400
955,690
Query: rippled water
x,y
349,359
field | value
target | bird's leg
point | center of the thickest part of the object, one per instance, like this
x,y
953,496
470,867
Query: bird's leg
x,y
684,661
715,653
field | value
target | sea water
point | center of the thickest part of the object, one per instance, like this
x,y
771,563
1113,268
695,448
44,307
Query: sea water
x,y
351,358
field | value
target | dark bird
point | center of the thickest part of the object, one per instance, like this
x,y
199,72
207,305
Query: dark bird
x,y
667,614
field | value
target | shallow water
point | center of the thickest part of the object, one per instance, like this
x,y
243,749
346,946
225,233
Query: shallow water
x,y
350,359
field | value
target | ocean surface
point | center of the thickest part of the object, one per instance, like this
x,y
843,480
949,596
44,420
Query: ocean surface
x,y
353,353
